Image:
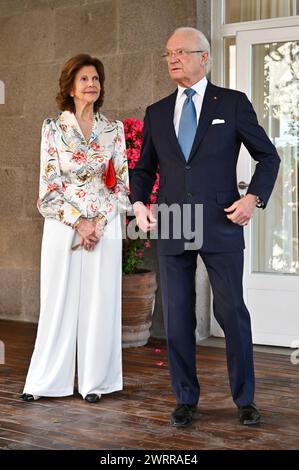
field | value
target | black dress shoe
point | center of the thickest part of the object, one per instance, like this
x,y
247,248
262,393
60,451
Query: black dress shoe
x,y
182,415
29,397
92,398
249,414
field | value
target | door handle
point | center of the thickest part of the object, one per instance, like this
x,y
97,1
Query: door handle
x,y
242,185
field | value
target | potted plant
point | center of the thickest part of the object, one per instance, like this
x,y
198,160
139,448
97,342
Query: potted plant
x,y
138,285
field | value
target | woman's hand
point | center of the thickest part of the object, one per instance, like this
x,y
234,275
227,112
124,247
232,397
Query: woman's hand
x,y
87,231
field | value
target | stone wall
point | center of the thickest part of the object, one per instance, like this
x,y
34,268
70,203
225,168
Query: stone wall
x,y
36,38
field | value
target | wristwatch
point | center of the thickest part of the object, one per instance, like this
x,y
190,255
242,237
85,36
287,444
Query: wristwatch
x,y
102,219
259,203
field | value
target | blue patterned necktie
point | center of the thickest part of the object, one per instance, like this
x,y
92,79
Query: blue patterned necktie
x,y
188,124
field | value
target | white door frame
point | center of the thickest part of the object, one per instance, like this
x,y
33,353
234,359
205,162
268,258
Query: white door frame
x,y
219,31
274,30
263,286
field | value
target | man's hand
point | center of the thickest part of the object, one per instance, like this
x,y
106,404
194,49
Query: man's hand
x,y
240,212
144,217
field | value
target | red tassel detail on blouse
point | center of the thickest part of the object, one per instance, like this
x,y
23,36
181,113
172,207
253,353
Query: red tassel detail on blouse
x,y
110,178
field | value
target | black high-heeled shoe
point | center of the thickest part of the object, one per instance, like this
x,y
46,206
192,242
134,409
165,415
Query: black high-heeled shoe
x,y
92,398
29,397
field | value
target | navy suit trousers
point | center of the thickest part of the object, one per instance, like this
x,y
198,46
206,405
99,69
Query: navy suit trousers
x,y
225,272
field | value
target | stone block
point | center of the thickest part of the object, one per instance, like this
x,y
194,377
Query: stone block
x,y
38,36
11,145
11,192
13,79
147,24
30,295
42,86
31,139
11,51
204,17
9,8
163,85
20,141
65,3
135,81
20,243
113,73
26,38
50,4
10,294
137,113
110,113
87,29
29,191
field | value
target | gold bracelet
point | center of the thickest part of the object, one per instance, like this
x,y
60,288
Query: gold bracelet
x,y
101,218
77,223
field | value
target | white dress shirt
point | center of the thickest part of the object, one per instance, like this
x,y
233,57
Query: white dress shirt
x,y
200,88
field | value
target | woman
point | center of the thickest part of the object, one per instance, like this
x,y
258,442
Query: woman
x,y
81,248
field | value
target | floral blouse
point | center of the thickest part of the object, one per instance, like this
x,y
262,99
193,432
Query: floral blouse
x,y
72,170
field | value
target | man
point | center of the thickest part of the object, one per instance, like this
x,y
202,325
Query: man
x,y
194,135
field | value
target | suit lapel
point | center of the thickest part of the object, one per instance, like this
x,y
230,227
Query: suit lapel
x,y
210,102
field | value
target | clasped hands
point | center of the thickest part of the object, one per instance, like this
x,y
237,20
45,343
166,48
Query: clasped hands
x,y
90,232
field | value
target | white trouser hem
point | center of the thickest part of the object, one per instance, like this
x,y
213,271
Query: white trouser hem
x,y
115,388
50,393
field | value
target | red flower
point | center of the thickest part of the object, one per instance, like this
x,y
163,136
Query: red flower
x,y
133,156
134,250
99,158
81,193
95,146
51,150
79,157
52,187
133,134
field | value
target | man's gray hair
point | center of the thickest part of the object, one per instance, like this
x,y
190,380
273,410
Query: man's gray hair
x,y
203,43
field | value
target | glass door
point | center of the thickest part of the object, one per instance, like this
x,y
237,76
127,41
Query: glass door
x,y
268,72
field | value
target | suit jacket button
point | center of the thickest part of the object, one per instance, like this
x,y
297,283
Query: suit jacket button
x,y
188,167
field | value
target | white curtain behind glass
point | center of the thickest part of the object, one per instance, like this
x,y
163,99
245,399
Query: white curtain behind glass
x,y
250,10
276,100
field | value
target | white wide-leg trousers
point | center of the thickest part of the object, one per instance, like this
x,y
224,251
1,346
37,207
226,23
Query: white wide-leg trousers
x,y
80,313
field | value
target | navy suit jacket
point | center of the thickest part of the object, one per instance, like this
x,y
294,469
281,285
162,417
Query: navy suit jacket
x,y
209,175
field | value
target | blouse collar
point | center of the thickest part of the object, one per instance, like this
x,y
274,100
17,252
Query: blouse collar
x,y
101,124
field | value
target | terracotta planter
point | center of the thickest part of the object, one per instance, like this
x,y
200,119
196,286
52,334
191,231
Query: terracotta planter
x,y
138,302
